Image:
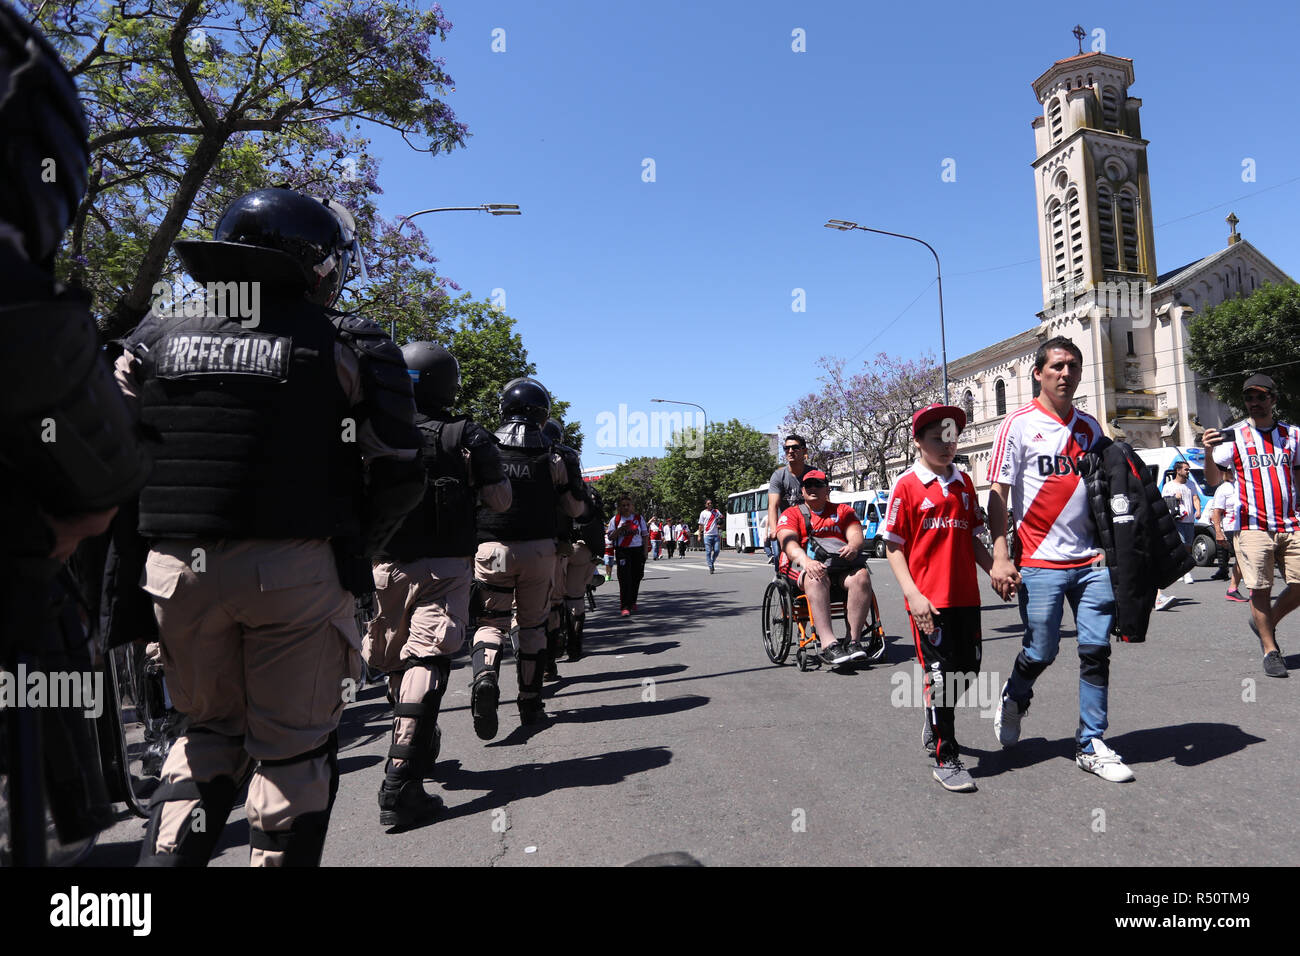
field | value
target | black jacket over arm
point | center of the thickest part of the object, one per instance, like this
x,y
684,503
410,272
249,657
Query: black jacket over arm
x,y
1143,549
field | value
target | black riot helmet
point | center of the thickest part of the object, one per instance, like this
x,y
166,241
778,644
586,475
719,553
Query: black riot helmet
x,y
44,151
553,432
279,237
525,400
435,375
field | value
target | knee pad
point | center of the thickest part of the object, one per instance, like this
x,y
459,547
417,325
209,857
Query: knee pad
x,y
426,741
532,686
1028,669
1094,664
199,833
194,844
304,842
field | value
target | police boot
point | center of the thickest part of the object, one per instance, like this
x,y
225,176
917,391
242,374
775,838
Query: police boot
x,y
484,693
531,709
402,800
554,648
575,638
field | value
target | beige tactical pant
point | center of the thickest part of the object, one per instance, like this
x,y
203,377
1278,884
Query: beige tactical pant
x,y
582,565
423,611
257,638
516,574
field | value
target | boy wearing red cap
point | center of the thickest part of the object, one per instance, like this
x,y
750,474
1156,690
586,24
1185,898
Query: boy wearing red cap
x,y
931,527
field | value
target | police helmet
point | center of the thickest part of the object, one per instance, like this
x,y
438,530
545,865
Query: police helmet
x,y
435,374
525,400
553,432
279,237
45,133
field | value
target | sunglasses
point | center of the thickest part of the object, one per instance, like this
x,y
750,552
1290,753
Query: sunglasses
x,y
791,449
1258,396
815,485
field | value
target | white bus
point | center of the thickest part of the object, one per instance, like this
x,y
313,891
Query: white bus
x,y
870,508
746,525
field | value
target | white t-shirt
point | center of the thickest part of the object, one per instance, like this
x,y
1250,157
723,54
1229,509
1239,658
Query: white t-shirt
x,y
710,522
1037,455
1226,500
1186,504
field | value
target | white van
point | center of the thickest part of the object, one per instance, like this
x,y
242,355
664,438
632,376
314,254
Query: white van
x,y
1163,460
870,507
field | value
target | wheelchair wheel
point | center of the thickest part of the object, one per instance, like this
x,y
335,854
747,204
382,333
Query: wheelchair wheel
x,y
778,616
873,635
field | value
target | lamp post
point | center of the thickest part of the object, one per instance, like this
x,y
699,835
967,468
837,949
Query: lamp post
x,y
669,401
492,208
844,225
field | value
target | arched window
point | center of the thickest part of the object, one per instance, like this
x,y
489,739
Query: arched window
x,y
1076,233
968,406
1056,229
1106,226
1128,230
1110,108
1000,397
1054,122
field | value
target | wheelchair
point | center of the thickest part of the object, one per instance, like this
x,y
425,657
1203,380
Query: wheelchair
x,y
787,619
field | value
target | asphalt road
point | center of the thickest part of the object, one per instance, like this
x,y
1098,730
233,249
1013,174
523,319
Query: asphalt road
x,y
675,733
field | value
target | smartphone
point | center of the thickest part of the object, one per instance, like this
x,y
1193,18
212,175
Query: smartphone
x,y
1229,435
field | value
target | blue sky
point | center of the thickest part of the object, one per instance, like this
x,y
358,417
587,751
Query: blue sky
x,y
682,288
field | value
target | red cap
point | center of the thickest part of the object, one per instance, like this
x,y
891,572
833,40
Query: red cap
x,y
814,474
935,412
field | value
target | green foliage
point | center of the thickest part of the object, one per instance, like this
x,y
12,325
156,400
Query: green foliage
x,y
192,103
734,457
490,353
1239,337
634,477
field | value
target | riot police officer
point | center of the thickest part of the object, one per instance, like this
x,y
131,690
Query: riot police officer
x,y
288,449
556,636
70,450
514,564
589,542
422,579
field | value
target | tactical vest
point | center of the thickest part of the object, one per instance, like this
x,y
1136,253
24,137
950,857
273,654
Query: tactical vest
x,y
531,515
443,525
255,441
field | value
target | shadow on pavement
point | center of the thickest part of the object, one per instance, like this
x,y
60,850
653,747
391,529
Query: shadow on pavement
x,y
537,779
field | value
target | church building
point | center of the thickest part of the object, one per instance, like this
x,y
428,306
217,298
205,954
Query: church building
x,y
1101,286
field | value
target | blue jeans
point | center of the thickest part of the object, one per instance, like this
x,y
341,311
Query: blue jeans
x,y
1043,593
712,545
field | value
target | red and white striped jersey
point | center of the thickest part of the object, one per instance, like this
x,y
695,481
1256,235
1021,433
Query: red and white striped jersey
x,y
1265,463
629,532
1037,455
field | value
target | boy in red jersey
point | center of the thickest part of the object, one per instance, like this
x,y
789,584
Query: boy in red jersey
x,y
930,531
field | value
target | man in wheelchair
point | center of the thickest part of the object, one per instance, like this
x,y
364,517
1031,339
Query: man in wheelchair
x,y
823,553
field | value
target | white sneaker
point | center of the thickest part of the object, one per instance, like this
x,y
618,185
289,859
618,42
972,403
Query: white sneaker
x,y
1162,602
1006,722
1187,578
1104,762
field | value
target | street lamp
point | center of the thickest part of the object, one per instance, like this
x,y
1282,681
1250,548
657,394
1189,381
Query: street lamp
x,y
669,401
844,225
492,208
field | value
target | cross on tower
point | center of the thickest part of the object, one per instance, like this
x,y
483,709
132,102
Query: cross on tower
x,y
1079,33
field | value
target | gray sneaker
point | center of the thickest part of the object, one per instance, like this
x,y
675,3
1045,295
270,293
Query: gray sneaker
x,y
952,775
1274,665
1254,629
835,655
927,738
